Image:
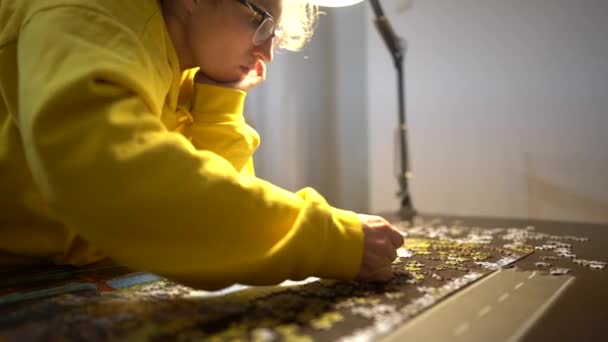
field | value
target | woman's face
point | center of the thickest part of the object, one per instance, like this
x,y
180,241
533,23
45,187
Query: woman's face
x,y
220,37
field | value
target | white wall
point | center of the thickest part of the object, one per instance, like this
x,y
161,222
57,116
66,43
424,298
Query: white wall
x,y
507,105
507,108
311,114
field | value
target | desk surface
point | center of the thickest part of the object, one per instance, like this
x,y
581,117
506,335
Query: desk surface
x,y
577,311
580,312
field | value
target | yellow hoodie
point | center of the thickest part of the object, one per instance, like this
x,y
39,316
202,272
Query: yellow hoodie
x,y
108,150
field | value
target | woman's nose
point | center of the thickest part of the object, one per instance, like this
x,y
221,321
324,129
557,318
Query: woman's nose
x,y
265,50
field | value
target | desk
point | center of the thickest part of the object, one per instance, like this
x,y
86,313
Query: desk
x,y
579,312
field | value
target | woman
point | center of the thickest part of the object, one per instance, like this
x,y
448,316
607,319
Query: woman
x,y
123,136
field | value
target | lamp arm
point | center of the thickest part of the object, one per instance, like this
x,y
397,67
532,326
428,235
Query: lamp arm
x,y
393,42
397,49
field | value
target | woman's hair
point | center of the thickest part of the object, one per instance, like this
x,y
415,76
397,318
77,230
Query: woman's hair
x,y
298,22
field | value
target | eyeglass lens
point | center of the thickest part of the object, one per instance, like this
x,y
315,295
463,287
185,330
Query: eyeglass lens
x,y
264,31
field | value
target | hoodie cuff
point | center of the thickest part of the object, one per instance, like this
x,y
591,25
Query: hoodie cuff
x,y
210,99
344,246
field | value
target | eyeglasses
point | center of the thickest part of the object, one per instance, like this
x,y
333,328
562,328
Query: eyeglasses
x,y
267,27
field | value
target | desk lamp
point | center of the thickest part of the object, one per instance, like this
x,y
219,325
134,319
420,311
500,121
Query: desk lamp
x,y
397,48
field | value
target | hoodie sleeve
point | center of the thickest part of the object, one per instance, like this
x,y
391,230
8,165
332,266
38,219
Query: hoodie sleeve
x,y
216,123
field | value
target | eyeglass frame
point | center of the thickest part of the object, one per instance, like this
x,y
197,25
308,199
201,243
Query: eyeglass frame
x,y
265,16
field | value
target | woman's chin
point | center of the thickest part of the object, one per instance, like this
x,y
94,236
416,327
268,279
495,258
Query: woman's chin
x,y
221,78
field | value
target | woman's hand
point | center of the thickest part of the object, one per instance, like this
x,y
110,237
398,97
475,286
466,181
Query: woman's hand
x,y
381,241
247,82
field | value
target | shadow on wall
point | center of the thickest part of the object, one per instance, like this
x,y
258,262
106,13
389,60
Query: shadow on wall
x,y
552,193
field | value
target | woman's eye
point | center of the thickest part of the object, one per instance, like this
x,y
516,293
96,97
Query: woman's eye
x,y
256,18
